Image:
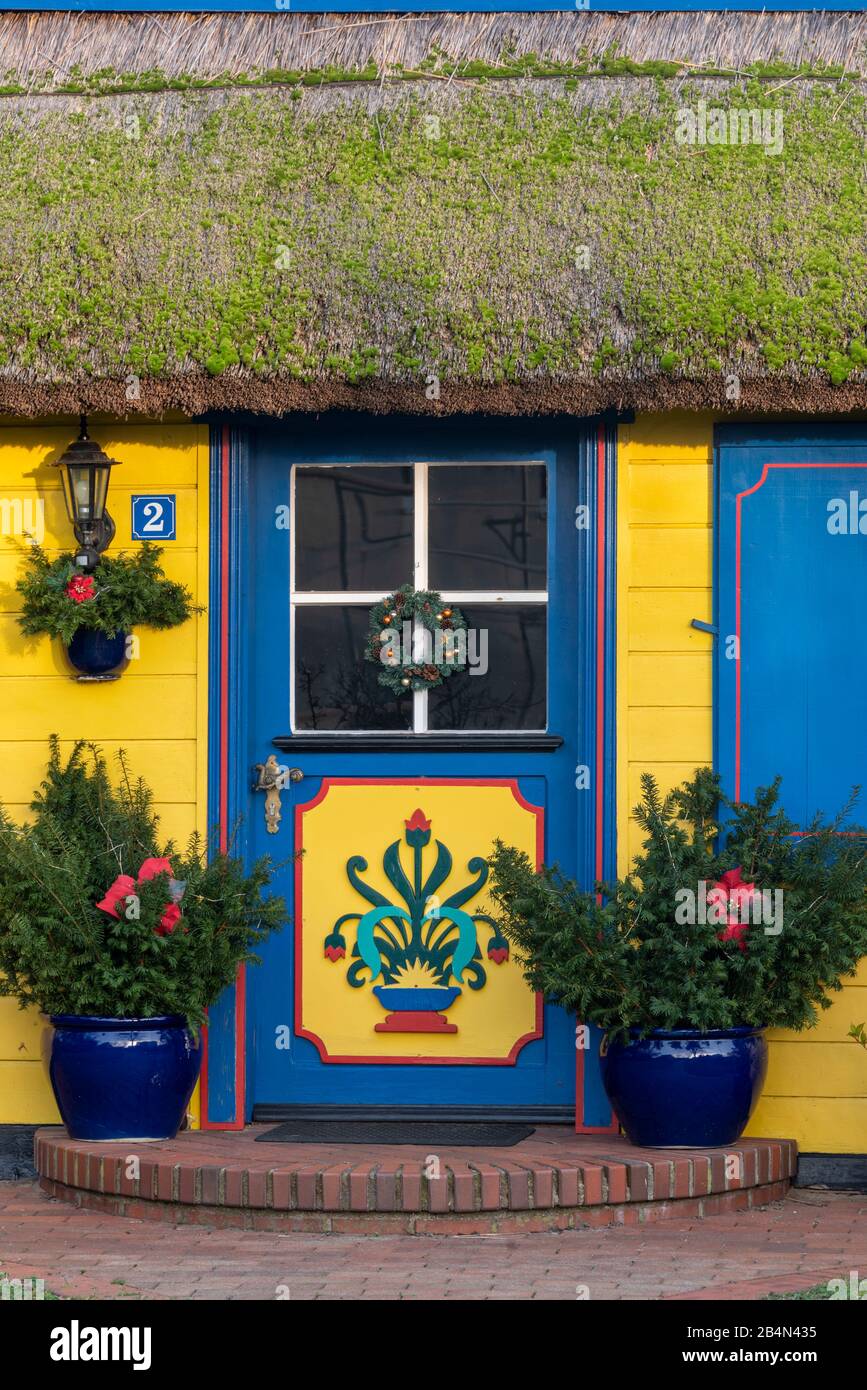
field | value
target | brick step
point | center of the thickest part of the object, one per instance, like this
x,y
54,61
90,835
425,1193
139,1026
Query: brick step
x,y
553,1180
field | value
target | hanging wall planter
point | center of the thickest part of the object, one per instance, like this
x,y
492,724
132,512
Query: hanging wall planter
x,y
98,655
94,613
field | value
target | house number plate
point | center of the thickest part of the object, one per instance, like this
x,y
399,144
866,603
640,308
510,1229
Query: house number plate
x,y
154,516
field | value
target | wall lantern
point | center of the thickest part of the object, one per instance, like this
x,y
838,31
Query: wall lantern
x,y
85,472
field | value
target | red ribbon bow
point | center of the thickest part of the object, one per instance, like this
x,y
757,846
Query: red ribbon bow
x,y
734,896
125,885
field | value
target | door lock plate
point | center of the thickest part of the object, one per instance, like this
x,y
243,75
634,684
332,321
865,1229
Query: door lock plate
x,y
271,778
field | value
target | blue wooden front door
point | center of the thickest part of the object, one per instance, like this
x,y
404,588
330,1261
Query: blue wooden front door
x,y
397,797
791,597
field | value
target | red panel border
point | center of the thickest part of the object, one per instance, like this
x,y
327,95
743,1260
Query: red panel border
x,y
748,492
327,784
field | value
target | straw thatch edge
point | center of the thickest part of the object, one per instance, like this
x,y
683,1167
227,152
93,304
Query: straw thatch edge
x,y
195,395
71,46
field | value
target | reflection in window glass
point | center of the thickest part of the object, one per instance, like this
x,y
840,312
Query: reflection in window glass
x,y
353,528
487,526
511,692
335,687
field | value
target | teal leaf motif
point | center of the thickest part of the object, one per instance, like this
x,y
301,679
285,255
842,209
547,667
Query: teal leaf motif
x,y
466,947
365,940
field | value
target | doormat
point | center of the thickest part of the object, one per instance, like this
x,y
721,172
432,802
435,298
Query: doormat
x,y
423,1134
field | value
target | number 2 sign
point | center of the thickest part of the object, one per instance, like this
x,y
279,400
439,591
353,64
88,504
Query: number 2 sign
x,y
153,516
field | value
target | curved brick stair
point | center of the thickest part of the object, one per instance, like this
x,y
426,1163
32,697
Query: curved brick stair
x,y
554,1180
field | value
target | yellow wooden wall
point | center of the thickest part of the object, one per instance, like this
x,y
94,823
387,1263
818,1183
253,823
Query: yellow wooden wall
x,y
816,1090
157,711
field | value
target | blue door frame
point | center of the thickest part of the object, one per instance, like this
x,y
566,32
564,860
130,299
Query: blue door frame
x,y
243,718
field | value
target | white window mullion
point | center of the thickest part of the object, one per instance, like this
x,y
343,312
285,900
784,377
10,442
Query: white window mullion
x,y
344,598
487,596
420,581
420,528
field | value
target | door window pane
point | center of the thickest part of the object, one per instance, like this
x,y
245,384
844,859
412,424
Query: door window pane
x,y
335,687
487,526
510,640
353,528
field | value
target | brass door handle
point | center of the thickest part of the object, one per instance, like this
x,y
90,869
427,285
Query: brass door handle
x,y
271,779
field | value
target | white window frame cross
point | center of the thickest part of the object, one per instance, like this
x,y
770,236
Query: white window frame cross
x,y
366,598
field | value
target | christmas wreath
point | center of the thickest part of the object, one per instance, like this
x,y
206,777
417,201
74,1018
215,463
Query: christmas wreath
x,y
391,644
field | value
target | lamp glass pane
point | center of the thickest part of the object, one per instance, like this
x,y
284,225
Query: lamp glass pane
x,y
81,480
67,493
100,489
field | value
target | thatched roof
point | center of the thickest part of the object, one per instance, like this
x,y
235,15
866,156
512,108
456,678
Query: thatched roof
x,y
63,46
434,213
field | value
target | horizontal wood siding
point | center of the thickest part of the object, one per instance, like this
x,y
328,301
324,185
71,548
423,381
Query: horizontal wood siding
x,y
157,711
816,1090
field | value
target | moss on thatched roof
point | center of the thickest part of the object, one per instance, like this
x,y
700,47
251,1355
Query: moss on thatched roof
x,y
514,244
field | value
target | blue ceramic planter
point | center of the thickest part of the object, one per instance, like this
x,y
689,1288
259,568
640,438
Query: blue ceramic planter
x,y
684,1089
95,653
122,1078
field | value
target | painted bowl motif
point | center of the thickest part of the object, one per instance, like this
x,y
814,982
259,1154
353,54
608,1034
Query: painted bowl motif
x,y
416,999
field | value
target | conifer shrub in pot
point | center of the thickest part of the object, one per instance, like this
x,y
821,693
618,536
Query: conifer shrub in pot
x,y
122,941
732,920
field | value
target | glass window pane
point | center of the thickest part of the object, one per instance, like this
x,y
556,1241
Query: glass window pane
x,y
504,686
335,686
353,528
487,526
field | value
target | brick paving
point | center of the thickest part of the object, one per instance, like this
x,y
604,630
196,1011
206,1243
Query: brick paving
x,y
806,1238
